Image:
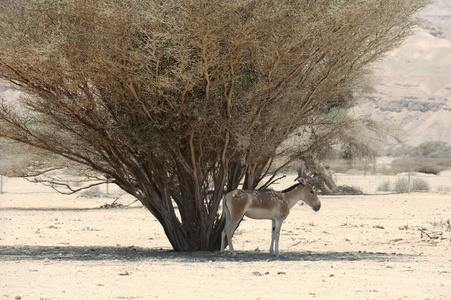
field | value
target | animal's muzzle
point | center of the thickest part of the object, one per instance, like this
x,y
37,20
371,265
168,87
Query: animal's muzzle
x,y
317,206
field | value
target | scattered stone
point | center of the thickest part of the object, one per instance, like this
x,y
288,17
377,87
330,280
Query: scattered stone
x,y
125,273
256,273
378,227
281,273
396,240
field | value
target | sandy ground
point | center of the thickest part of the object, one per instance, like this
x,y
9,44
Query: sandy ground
x,y
356,247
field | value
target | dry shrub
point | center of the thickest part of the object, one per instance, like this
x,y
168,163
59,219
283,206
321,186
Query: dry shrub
x,y
181,101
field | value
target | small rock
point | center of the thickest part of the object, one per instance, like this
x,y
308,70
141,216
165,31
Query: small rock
x,y
256,273
18,297
125,273
354,258
281,273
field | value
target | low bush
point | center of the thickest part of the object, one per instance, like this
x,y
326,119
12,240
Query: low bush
x,y
384,186
349,190
427,165
443,189
420,185
402,185
93,193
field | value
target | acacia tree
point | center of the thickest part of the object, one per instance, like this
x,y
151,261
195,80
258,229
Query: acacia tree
x,y
179,102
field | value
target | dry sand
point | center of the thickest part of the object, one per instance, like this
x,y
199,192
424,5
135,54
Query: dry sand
x,y
356,247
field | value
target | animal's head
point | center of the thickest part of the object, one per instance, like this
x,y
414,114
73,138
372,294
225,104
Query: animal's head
x,y
309,195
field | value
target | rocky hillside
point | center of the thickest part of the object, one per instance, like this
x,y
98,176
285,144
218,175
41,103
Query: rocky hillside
x,y
413,84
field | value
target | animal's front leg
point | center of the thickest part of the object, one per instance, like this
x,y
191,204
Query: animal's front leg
x,y
278,225
273,228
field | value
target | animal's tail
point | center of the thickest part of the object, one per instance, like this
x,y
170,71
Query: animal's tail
x,y
225,208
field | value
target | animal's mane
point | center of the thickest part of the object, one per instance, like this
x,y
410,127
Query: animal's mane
x,y
291,188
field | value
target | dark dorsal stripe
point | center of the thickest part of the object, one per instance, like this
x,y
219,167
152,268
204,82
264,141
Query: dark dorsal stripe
x,y
291,188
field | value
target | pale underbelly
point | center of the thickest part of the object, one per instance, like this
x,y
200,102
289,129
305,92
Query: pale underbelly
x,y
258,213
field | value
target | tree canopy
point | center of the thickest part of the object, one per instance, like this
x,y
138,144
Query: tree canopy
x,y
179,102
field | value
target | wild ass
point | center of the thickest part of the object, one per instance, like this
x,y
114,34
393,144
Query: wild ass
x,y
264,205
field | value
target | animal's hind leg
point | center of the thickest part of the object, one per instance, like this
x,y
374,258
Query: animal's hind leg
x,y
223,237
229,232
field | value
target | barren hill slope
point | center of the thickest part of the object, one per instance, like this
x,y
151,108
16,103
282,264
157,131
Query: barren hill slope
x,y
413,87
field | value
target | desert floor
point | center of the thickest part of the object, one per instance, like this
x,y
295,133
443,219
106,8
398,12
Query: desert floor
x,y
393,246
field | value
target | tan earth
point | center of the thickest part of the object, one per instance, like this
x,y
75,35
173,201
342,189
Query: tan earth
x,y
356,247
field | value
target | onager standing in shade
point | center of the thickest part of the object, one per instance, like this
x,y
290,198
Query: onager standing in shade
x,y
264,205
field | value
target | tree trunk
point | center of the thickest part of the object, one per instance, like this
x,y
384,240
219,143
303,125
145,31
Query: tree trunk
x,y
189,217
186,238
323,179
